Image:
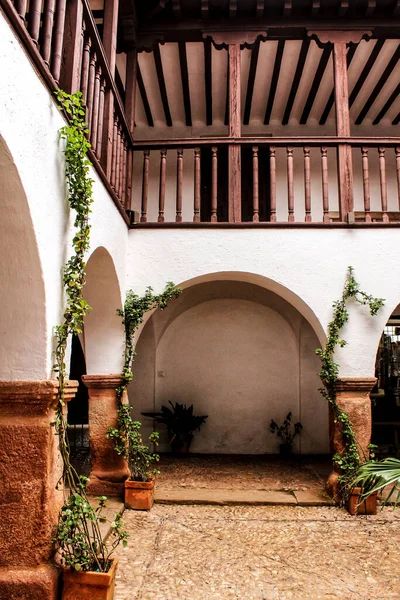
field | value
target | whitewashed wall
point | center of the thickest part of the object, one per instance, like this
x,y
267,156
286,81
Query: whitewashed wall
x,y
29,124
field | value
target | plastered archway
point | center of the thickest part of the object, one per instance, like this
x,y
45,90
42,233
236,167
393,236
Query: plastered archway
x,y
22,294
103,330
242,354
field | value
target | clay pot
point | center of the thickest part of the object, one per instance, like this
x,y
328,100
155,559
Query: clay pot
x,y
89,585
367,507
179,448
139,495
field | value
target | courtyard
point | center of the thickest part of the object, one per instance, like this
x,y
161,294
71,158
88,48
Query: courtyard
x,y
259,552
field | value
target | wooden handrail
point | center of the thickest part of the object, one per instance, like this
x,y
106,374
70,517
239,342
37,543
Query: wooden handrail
x,y
276,141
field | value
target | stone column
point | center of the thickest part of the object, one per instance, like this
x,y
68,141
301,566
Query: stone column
x,y
30,468
352,395
108,470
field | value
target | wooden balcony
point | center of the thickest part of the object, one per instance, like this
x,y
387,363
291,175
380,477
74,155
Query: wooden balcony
x,y
231,173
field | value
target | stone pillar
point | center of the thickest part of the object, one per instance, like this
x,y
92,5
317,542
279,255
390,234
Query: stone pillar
x,y
108,470
30,468
352,395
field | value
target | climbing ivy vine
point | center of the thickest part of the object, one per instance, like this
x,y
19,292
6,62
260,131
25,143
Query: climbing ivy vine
x,y
348,461
78,534
126,436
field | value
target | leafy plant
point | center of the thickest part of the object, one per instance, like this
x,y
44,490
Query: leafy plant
x,y
285,431
126,436
180,422
348,461
78,535
374,476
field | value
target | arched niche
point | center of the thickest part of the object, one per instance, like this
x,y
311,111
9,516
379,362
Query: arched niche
x,y
103,330
22,294
242,354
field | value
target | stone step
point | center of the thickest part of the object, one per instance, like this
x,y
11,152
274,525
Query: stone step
x,y
242,497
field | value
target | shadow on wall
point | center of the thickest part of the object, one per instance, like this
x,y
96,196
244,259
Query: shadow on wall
x,y
239,353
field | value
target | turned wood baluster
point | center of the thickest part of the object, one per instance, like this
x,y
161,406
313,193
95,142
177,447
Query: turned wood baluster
x,y
96,106
325,186
121,165
20,7
382,177
145,186
272,183
118,160
290,184
307,183
366,188
114,152
161,196
256,216
129,174
85,67
179,182
196,216
34,19
58,38
398,173
90,92
101,116
123,178
214,184
47,30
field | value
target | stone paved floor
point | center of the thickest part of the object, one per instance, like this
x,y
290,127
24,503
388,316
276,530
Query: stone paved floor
x,y
253,553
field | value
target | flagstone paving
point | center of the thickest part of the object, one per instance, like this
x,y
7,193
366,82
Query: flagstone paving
x,y
204,552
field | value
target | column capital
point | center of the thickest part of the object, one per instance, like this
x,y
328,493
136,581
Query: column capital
x,y
102,381
339,36
27,397
355,384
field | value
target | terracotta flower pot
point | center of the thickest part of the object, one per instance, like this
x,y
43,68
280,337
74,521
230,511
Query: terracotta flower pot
x,y
89,585
367,507
139,495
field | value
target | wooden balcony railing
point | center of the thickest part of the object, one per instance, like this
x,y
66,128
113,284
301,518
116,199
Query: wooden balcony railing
x,y
62,39
282,181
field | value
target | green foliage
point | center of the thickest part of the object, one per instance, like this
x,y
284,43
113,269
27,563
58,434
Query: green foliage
x,y
347,462
374,476
285,431
180,422
78,534
126,436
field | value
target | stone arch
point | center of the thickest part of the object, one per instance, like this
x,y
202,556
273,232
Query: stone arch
x,y
103,330
23,348
231,337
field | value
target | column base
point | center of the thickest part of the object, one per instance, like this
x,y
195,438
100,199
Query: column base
x,y
41,583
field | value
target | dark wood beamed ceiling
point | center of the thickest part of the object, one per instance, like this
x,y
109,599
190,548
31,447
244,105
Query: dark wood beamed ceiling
x,y
208,79
143,95
274,81
350,53
260,9
382,80
161,84
296,81
387,105
250,85
232,9
176,7
396,120
316,83
185,83
365,72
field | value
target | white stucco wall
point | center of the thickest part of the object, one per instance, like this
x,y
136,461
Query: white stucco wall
x,y
29,123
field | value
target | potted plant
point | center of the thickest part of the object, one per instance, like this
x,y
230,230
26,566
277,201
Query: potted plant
x,y
128,442
286,433
371,478
88,569
180,422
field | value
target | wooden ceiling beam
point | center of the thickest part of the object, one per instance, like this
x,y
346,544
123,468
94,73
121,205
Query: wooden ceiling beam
x,y
176,8
204,9
396,9
143,95
365,72
371,7
350,53
296,80
274,80
316,6
161,84
396,120
232,9
387,105
287,8
208,79
250,83
382,80
343,8
316,83
260,9
185,83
